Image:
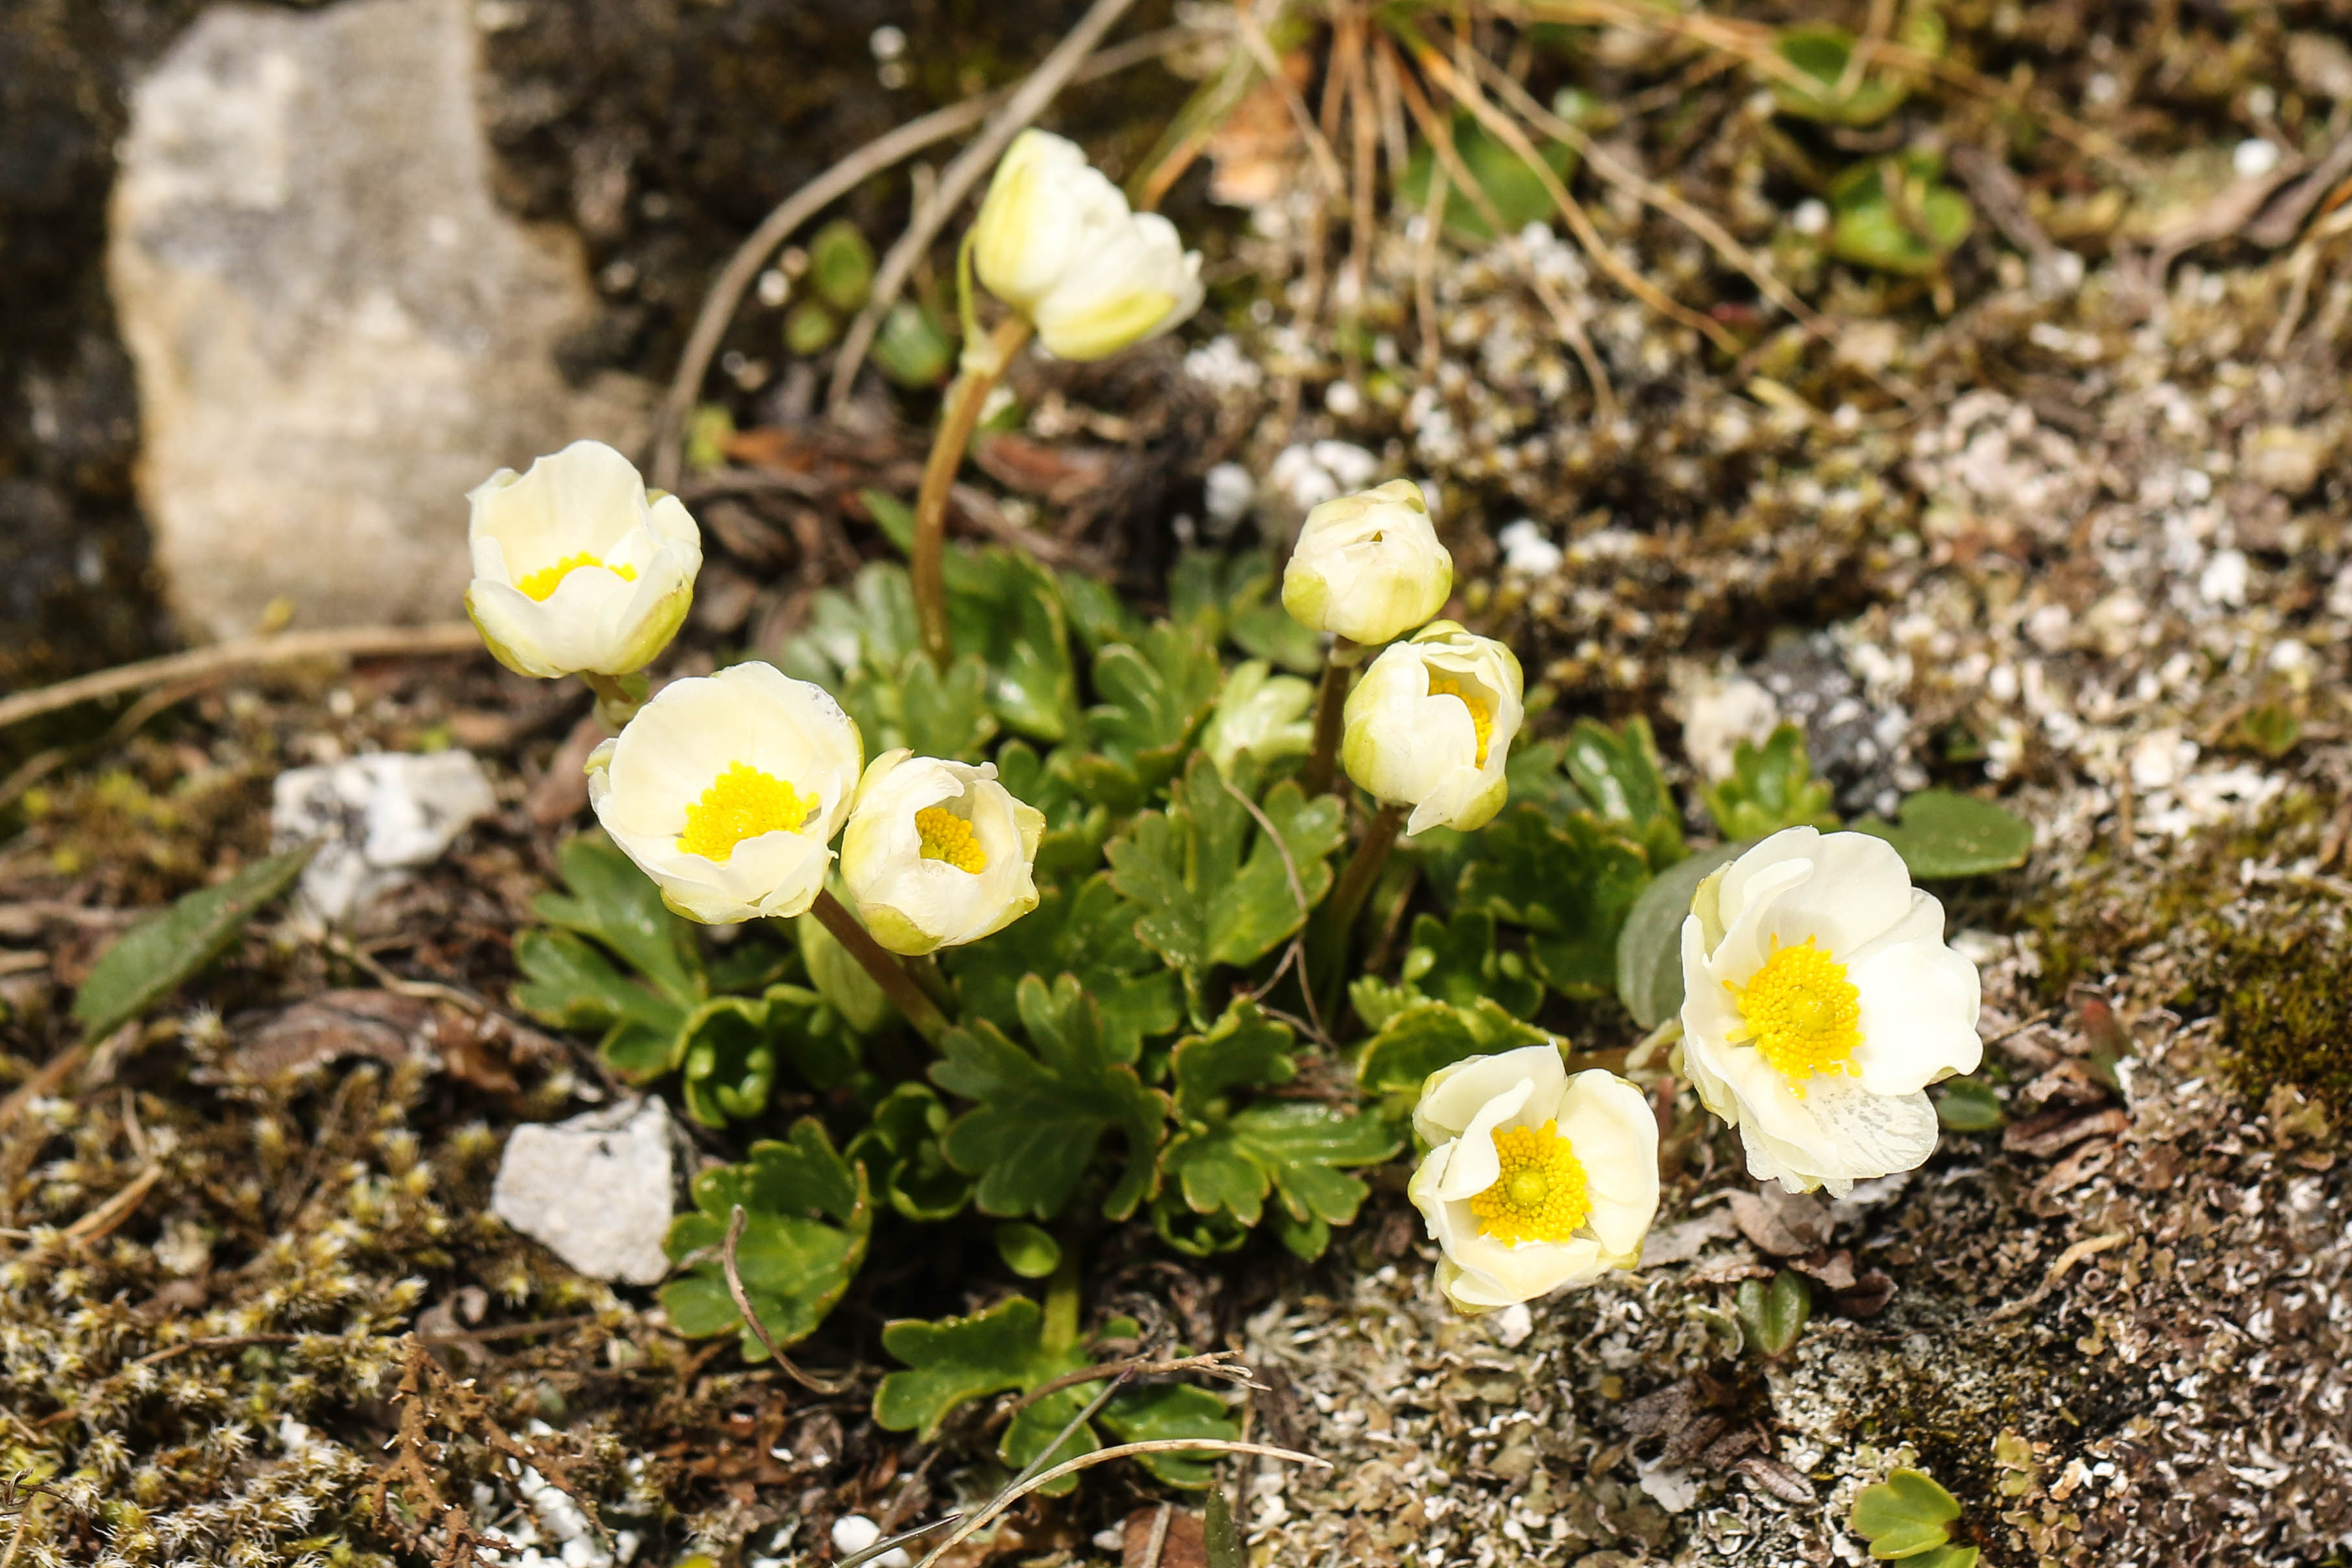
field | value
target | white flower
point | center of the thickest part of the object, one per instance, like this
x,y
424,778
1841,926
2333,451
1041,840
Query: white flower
x,y
1430,726
1534,1180
726,790
576,567
1367,566
1818,1002
1056,241
936,852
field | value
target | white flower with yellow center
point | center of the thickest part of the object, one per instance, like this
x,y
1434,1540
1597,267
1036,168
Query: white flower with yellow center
x,y
1430,726
938,853
1819,1003
1056,240
576,568
1367,566
1534,1180
726,790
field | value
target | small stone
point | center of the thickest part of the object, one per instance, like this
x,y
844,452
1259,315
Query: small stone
x,y
2282,458
379,816
1513,1325
598,1190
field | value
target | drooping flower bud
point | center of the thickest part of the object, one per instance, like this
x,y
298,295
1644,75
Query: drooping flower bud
x,y
938,853
1369,566
1430,726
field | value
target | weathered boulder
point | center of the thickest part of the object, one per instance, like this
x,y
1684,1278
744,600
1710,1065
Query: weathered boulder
x,y
337,331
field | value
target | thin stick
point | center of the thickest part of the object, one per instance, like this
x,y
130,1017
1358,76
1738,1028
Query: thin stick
x,y
1104,1455
888,971
1217,1363
284,648
736,1221
928,567
956,182
889,1543
883,151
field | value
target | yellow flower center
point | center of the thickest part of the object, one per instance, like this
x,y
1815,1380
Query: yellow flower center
x,y
1540,1194
1802,1011
543,583
949,837
742,803
1482,712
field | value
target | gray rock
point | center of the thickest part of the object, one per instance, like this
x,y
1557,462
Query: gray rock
x,y
377,817
597,1190
337,331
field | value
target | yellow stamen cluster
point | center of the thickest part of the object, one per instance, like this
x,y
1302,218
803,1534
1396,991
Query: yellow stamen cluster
x,y
949,837
1482,711
1803,1014
541,584
1541,1195
742,803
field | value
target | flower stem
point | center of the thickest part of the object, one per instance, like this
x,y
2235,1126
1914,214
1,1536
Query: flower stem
x,y
888,971
1327,947
1330,712
1061,1325
983,363
618,698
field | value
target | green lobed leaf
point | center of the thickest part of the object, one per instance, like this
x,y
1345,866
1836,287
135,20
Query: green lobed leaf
x,y
1086,931
1454,960
1941,833
1969,1105
1075,827
1618,771
1432,1035
1518,195
808,1220
1572,882
1770,787
1237,598
955,1361
1260,713
151,960
1039,1117
1650,945
1155,693
612,902
1771,1315
901,1151
1210,886
1905,1516
1534,778
1170,1410
730,1061
1947,1556
1896,215
1007,610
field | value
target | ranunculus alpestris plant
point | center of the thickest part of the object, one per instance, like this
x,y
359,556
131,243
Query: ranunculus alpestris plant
x,y
577,568
1368,567
1819,1001
1430,727
938,853
1535,1180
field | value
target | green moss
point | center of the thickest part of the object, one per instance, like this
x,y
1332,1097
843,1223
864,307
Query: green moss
x,y
2286,1013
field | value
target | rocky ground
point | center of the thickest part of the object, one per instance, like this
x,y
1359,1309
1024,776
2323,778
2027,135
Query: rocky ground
x,y
2075,532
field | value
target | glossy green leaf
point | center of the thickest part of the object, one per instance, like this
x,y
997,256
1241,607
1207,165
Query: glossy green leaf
x,y
808,1220
1155,693
1896,215
1454,960
1570,882
1040,1113
1650,945
1432,1035
1618,771
1075,827
1171,1410
729,1060
569,982
1209,886
1969,1105
1088,931
609,901
841,265
1770,787
900,1149
1772,1314
1947,1556
1007,611
1028,1250
1941,833
840,979
1907,1515
149,962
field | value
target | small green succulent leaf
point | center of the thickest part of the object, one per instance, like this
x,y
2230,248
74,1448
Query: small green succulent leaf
x,y
1941,833
1570,882
1028,1250
808,1220
1432,1035
1771,1315
1907,1515
1165,1411
900,1149
1197,1235
841,265
1209,886
1969,1105
1896,215
1650,945
1039,1117
611,902
151,960
1822,53
1084,930
810,328
1619,772
913,347
1770,787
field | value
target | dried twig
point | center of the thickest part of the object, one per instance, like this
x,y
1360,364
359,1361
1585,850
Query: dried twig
x,y
222,659
736,1221
2066,1260
1216,1364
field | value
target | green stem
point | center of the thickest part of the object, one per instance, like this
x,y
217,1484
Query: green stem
x,y
983,363
1061,1326
886,969
618,697
1330,715
1328,947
